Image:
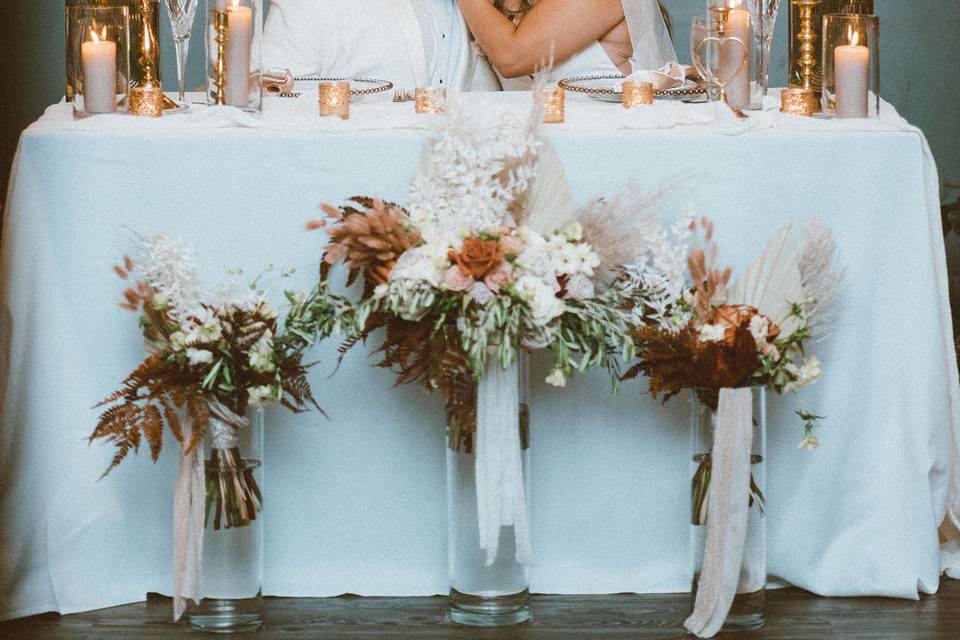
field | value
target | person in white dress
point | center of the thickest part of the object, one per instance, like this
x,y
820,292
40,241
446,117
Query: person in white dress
x,y
582,37
412,43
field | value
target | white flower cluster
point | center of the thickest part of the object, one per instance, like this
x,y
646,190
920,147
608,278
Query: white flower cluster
x,y
660,271
479,161
169,268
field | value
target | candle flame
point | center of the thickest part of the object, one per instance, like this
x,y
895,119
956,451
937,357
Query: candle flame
x,y
853,36
234,4
98,37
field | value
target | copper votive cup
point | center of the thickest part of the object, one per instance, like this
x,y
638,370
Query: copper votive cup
x,y
430,99
551,101
636,94
146,101
335,99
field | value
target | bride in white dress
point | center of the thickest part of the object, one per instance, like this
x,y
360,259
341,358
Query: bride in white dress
x,y
582,36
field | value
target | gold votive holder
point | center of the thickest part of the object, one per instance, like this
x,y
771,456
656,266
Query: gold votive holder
x,y
146,101
335,99
551,102
799,102
430,99
636,94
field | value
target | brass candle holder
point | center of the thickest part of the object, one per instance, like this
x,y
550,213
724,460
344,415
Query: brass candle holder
x,y
221,26
335,99
552,102
430,100
636,94
147,99
805,99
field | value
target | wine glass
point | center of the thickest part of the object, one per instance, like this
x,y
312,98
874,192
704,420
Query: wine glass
x,y
763,18
182,13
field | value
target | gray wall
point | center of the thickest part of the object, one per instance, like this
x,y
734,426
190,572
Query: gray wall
x,y
920,61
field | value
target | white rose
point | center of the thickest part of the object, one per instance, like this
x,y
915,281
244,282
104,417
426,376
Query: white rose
x,y
543,301
529,237
199,356
557,378
263,395
536,260
261,355
580,287
178,340
712,333
419,264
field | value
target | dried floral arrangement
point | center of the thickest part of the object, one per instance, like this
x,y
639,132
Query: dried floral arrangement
x,y
210,356
485,261
751,333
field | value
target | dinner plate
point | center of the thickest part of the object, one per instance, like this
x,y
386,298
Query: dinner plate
x,y
602,88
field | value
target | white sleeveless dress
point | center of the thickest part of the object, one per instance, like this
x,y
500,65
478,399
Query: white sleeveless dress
x,y
652,48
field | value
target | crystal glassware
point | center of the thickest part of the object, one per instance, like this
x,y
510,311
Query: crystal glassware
x,y
763,18
482,594
232,562
182,13
747,611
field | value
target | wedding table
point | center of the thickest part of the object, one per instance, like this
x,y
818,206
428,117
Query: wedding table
x,y
356,504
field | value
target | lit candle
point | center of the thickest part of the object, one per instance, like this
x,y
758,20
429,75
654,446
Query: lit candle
x,y
734,59
98,59
239,37
851,68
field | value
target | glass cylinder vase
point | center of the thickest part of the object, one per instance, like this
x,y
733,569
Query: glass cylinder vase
x,y
232,561
483,594
731,26
234,35
747,611
100,58
851,66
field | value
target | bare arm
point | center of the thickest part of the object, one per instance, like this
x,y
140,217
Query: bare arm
x,y
568,26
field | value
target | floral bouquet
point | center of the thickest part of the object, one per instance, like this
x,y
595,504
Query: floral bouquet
x,y
484,263
212,357
721,340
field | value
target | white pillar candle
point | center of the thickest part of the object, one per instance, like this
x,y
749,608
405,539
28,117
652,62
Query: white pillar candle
x,y
851,64
733,57
239,37
98,59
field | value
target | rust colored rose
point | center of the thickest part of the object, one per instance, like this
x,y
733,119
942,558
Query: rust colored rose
x,y
478,257
733,317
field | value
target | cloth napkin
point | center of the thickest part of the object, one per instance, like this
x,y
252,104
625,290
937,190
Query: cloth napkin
x,y
669,76
277,81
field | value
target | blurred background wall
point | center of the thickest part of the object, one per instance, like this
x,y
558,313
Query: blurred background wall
x,y
920,61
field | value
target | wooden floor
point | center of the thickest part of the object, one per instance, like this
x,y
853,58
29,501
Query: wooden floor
x,y
791,615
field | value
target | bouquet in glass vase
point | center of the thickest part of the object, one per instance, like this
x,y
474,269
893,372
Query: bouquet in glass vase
x,y
213,361
727,343
483,265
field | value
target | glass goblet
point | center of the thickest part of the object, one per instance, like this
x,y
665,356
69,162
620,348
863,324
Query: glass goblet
x,y
182,14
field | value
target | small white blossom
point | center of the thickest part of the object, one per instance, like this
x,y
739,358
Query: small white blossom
x,y
712,333
261,355
759,329
580,287
807,374
809,443
557,378
263,395
178,340
574,233
199,356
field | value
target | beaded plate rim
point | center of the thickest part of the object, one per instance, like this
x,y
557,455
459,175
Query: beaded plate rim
x,y
380,85
569,84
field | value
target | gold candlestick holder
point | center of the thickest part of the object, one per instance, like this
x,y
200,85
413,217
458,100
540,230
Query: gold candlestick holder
x,y
805,99
221,27
636,94
335,99
147,99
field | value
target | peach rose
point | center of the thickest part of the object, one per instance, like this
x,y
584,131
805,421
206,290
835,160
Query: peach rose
x,y
511,245
455,280
478,257
500,276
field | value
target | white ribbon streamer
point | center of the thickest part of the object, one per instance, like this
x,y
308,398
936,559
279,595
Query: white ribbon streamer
x,y
728,513
501,499
189,503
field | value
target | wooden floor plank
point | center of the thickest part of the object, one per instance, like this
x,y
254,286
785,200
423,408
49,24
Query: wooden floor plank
x,y
792,614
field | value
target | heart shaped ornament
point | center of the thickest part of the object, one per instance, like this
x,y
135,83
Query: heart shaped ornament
x,y
728,48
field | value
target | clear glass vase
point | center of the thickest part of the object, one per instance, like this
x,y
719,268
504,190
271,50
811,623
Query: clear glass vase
x,y
748,607
482,595
232,563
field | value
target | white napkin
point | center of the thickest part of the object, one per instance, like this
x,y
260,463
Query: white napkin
x,y
669,76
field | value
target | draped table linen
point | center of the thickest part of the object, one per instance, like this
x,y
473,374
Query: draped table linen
x,y
356,504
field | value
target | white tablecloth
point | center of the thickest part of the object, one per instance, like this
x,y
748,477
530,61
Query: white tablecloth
x,y
357,504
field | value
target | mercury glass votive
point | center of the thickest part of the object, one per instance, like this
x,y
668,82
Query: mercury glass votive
x,y
335,99
799,102
851,66
430,99
636,94
552,102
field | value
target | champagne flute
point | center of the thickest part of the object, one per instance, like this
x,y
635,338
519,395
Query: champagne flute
x,y
182,13
763,18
